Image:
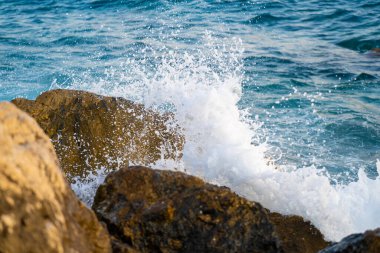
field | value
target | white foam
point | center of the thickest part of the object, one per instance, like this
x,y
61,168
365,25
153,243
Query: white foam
x,y
86,190
203,87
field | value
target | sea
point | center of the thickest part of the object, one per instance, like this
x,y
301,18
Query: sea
x,y
278,100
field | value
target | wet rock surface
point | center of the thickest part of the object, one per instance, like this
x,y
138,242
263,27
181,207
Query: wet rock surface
x,y
38,210
91,131
297,235
166,211
368,242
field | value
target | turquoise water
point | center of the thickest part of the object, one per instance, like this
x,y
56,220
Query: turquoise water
x,y
307,70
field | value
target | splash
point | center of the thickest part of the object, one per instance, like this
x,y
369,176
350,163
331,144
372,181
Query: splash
x,y
202,87
86,191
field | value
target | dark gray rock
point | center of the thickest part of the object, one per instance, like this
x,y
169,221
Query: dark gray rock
x,y
368,242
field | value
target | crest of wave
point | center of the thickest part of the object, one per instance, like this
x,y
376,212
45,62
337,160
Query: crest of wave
x,y
202,87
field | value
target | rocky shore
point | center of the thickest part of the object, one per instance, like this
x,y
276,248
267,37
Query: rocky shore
x,y
63,135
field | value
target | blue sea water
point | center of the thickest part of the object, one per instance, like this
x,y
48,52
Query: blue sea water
x,y
306,73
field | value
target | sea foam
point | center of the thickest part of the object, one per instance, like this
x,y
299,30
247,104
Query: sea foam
x,y
202,87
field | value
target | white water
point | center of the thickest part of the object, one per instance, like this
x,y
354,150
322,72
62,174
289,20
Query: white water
x,y
203,87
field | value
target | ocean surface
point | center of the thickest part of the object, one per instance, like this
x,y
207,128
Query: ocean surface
x,y
279,100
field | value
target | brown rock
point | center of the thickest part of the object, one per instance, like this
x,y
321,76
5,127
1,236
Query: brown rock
x,y
91,131
297,235
368,242
166,211
38,210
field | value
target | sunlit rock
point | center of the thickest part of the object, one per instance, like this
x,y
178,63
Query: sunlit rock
x,y
38,210
90,132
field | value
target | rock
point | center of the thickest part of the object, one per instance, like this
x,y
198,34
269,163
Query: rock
x,y
91,131
167,211
297,235
368,242
38,210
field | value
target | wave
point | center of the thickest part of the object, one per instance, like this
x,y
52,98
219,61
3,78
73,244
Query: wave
x,y
202,87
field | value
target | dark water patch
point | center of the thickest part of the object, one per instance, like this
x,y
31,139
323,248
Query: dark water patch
x,y
19,42
117,4
274,88
359,44
370,100
107,3
294,27
290,103
334,112
364,77
272,5
76,41
41,9
371,5
266,18
326,16
89,30
355,132
268,59
10,25
26,57
6,68
297,83
344,77
353,86
37,21
348,77
107,57
352,18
